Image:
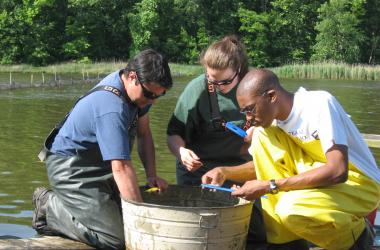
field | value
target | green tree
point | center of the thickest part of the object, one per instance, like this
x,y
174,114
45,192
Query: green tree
x,y
255,28
292,25
143,25
371,26
97,30
14,32
339,36
47,19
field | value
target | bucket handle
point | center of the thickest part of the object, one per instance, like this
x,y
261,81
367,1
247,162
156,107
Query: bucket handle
x,y
208,220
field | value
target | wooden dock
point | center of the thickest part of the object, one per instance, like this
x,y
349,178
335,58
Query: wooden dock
x,y
43,242
372,140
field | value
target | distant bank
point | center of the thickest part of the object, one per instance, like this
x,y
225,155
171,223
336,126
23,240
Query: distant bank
x,y
326,70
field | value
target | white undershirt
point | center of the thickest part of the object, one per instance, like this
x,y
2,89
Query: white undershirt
x,y
318,115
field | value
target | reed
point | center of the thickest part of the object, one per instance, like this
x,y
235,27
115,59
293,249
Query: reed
x,y
329,70
94,68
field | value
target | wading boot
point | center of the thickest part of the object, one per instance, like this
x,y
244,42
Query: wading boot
x,y
40,201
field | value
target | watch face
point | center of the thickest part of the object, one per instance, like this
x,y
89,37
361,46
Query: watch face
x,y
273,188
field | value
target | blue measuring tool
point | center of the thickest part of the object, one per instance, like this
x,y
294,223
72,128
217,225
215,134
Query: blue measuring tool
x,y
210,186
240,132
230,190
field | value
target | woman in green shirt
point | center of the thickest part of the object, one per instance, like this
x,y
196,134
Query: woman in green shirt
x,y
196,132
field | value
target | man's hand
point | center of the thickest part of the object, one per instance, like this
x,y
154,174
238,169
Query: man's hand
x,y
215,176
252,189
157,182
189,159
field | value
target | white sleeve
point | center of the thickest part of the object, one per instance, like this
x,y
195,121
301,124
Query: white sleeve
x,y
332,128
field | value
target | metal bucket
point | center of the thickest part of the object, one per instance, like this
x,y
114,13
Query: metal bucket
x,y
186,218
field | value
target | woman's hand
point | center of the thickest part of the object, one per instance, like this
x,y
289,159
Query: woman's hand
x,y
189,159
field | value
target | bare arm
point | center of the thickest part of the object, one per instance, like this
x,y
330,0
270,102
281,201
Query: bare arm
x,y
187,157
239,173
335,171
145,147
126,179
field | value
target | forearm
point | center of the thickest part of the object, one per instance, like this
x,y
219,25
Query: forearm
x,y
175,143
318,177
241,173
335,171
126,180
147,154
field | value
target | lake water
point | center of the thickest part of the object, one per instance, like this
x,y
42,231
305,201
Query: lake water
x,y
27,116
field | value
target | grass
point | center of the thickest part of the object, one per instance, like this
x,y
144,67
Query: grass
x,y
328,70
93,68
323,70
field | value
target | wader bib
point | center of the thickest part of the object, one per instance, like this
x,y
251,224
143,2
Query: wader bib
x,y
85,204
232,150
331,217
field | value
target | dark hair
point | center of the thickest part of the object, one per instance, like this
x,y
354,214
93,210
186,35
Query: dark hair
x,y
151,67
228,52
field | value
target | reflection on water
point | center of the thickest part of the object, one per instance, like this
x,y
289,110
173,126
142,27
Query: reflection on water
x,y
27,116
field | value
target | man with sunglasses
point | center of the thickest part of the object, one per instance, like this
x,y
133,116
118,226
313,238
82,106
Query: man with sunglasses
x,y
309,159
196,132
88,155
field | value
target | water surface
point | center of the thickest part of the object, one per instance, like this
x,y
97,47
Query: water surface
x,y
27,116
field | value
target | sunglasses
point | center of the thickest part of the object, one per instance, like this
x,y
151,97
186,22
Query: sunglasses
x,y
222,82
252,110
146,92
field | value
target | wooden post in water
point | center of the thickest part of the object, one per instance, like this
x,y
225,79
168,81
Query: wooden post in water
x,y
43,78
31,80
10,78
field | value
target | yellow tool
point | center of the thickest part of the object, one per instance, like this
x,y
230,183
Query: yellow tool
x,y
152,190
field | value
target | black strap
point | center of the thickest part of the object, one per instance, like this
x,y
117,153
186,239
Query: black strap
x,y
216,119
49,140
108,88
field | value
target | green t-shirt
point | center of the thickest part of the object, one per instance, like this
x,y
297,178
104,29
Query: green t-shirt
x,y
192,121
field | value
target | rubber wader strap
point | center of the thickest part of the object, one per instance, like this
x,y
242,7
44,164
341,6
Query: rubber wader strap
x,y
49,140
216,119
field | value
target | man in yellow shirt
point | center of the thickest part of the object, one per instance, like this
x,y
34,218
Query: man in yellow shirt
x,y
312,163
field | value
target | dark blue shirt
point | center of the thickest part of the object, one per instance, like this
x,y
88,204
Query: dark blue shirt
x,y
101,119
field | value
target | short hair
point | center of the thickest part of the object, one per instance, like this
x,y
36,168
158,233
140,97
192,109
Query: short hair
x,y
151,67
228,52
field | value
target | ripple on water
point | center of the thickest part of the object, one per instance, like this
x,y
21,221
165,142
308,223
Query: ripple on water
x,y
7,206
21,214
18,201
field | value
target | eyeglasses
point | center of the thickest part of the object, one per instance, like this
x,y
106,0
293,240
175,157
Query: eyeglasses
x,y
147,93
252,111
222,82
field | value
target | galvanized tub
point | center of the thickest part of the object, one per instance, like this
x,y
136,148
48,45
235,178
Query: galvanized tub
x,y
186,218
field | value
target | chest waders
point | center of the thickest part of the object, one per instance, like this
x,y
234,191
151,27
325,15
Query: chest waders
x,y
85,204
212,134
208,146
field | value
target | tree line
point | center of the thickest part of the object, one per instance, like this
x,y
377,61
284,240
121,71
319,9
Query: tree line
x,y
275,32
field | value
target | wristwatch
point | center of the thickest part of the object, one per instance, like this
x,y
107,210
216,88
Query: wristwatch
x,y
273,188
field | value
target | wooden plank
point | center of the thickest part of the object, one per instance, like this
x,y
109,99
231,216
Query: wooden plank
x,y
43,242
372,140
